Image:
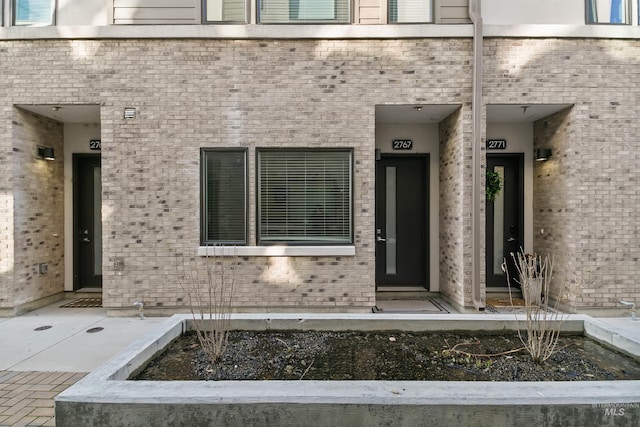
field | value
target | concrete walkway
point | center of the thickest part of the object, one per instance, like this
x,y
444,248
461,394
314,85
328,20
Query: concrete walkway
x,y
45,351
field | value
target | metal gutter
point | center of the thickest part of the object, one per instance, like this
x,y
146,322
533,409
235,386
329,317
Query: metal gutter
x,y
475,14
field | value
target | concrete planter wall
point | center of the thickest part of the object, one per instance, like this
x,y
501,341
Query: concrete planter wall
x,y
106,398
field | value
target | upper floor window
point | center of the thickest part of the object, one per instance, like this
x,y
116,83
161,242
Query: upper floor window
x,y
33,12
608,12
303,11
225,11
410,11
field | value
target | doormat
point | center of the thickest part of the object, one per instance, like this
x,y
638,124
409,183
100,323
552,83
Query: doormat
x,y
505,302
428,305
83,303
504,305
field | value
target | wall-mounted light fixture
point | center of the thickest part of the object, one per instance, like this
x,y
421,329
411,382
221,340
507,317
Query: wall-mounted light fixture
x,y
129,113
46,153
543,154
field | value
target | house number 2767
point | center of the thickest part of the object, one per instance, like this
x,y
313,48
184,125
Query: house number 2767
x,y
401,144
95,144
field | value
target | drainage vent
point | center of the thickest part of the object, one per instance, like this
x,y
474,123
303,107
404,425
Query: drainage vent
x,y
94,330
43,328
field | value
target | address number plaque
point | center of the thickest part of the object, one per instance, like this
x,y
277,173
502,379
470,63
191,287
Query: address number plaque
x,y
402,144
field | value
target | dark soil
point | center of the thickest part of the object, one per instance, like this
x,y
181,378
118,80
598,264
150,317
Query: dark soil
x,y
387,356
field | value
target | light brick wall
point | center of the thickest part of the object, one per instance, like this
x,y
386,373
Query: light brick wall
x,y
38,197
555,215
240,93
455,208
6,206
314,93
586,196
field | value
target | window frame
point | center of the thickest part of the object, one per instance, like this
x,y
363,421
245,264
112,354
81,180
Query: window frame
x,y
52,22
309,242
203,196
349,20
432,21
629,14
247,10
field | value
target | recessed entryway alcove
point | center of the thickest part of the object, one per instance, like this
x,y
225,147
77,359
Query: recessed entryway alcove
x,y
407,228
512,138
78,152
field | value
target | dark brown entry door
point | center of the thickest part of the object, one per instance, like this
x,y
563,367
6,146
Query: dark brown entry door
x,y
505,219
87,202
402,221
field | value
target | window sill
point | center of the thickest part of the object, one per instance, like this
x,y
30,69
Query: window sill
x,y
277,251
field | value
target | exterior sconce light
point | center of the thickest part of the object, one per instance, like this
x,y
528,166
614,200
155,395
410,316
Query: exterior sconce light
x,y
543,154
129,113
46,153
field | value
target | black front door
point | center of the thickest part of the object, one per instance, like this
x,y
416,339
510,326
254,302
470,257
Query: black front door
x,y
505,219
87,205
402,221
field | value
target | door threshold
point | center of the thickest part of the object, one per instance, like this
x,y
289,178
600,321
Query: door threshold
x,y
500,289
89,290
401,289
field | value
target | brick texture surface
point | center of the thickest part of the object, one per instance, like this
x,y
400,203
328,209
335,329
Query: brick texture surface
x,y
191,94
586,196
219,93
26,398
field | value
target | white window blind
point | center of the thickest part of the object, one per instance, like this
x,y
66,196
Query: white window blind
x,y
304,196
303,11
408,11
226,10
33,12
224,197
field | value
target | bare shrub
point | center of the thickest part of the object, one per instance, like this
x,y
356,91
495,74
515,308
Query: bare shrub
x,y
543,322
209,284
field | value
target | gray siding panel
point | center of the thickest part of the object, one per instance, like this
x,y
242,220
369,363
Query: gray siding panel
x,y
452,12
156,11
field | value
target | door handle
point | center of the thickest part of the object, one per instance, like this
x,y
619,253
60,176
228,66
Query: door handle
x,y
380,239
511,239
86,239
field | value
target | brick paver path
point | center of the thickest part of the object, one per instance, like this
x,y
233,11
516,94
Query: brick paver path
x,y
26,398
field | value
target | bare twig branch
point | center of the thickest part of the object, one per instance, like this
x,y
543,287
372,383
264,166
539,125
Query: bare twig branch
x,y
543,323
210,293
307,370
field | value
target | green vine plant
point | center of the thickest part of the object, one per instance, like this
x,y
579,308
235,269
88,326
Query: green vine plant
x,y
493,185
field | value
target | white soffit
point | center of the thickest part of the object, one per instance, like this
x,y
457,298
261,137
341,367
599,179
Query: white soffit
x,y
66,113
521,113
414,113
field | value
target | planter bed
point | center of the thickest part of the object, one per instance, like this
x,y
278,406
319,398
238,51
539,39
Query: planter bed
x,y
107,397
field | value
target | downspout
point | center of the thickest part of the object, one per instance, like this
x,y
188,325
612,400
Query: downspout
x,y
475,14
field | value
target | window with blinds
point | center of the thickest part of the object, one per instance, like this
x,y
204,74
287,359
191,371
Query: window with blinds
x,y
33,12
303,11
224,197
225,11
305,196
410,11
